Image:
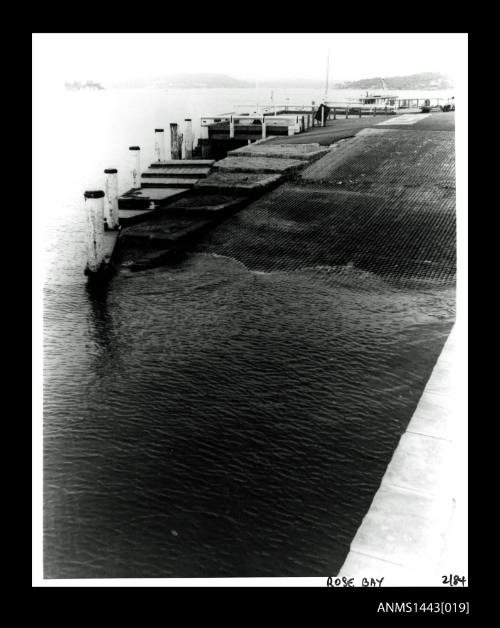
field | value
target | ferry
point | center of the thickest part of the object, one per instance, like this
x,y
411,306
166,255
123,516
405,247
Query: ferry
x,y
379,100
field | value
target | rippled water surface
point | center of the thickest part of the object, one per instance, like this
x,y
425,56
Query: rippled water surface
x,y
212,421
215,419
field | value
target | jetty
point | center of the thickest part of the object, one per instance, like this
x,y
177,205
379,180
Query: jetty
x,y
174,201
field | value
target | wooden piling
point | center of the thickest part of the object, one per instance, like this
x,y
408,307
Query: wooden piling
x,y
160,144
174,141
180,139
94,202
111,214
334,113
188,138
135,158
231,127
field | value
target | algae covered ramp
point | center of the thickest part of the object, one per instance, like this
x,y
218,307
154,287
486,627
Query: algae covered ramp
x,y
383,201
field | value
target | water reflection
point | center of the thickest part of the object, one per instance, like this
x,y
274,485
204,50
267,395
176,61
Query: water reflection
x,y
101,323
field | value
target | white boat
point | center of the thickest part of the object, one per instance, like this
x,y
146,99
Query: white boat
x,y
379,100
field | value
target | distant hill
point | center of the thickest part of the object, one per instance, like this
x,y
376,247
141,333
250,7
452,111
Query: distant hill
x,y
182,80
423,80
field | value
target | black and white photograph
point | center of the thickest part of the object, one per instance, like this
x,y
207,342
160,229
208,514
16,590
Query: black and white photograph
x,y
250,309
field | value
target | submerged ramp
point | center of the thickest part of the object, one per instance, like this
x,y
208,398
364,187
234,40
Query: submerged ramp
x,y
383,201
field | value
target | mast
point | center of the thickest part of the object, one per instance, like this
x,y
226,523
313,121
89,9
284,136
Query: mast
x,y
327,72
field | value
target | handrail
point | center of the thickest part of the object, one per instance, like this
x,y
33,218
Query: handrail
x,y
276,107
208,120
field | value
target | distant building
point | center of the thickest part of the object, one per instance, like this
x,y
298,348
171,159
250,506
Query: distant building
x,y
76,85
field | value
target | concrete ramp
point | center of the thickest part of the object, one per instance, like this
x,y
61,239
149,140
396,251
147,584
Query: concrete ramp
x,y
393,163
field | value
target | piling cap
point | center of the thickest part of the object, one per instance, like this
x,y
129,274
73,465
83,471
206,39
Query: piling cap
x,y
134,148
110,171
158,130
94,194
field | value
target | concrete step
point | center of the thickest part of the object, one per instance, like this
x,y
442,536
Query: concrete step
x,y
262,165
183,163
306,152
142,198
207,205
238,183
134,216
168,182
164,233
175,172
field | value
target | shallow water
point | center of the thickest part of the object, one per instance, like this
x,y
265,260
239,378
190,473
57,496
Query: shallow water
x,y
212,421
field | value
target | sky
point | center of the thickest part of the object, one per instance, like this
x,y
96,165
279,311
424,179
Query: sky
x,y
249,56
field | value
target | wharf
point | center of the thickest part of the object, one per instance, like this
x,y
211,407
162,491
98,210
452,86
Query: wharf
x,y
389,184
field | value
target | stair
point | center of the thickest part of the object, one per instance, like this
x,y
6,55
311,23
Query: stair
x,y
175,173
183,163
168,182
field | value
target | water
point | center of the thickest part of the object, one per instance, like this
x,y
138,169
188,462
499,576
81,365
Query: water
x,y
223,417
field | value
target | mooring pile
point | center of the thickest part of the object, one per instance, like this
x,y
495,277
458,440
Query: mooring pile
x,y
105,207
